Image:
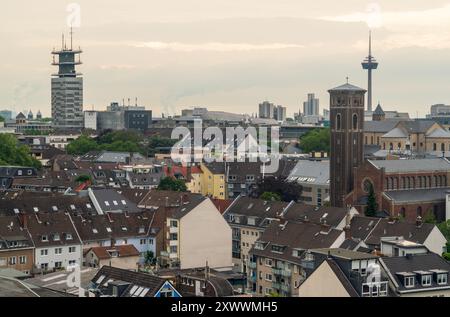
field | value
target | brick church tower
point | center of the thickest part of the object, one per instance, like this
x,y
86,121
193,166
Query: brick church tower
x,y
346,123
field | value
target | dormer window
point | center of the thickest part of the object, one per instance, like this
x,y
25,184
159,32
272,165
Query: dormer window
x,y
426,280
68,236
44,238
115,203
107,203
36,209
409,281
55,208
108,229
56,237
442,278
277,248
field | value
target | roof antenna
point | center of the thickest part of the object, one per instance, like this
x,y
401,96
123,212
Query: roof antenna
x,y
62,46
346,79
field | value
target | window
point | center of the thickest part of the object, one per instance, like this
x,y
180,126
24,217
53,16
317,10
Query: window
x,y
19,172
173,236
68,236
72,249
44,252
269,262
115,203
58,264
338,122
12,260
173,249
22,259
173,223
268,277
442,279
426,280
409,281
58,251
106,203
44,266
355,121
143,241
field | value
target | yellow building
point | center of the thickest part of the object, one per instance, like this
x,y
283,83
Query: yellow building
x,y
213,180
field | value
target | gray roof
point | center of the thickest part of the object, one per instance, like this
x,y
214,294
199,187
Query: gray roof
x,y
347,87
418,126
396,133
378,110
414,265
415,165
345,254
314,172
417,195
111,200
380,126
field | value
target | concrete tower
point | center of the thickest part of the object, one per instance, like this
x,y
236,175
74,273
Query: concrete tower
x,y
67,88
346,123
369,64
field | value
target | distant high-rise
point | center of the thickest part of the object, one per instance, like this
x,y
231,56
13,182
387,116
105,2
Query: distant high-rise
x,y
311,106
266,110
67,88
280,113
369,63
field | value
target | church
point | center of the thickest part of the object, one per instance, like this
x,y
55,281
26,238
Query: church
x,y
404,188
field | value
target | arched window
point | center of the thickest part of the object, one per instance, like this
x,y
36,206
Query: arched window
x,y
402,212
355,121
419,211
338,121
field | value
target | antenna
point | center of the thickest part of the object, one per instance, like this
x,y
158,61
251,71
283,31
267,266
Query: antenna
x,y
136,102
370,43
346,79
62,46
71,37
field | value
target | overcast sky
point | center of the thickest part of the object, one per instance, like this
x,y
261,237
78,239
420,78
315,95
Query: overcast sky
x,y
228,54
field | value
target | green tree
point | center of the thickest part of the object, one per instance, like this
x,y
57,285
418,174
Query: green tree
x,y
430,217
82,145
445,229
168,183
286,190
83,178
372,206
316,140
2,119
149,258
270,196
13,153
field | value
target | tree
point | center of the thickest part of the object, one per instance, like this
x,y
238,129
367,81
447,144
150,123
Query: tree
x,y
149,258
430,217
83,179
372,206
317,140
82,145
445,229
168,183
2,119
285,189
270,196
13,153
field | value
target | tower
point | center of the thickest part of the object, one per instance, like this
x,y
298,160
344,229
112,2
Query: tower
x,y
369,64
346,123
67,88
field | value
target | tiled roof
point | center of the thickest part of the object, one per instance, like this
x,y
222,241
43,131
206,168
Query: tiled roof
x,y
413,165
122,251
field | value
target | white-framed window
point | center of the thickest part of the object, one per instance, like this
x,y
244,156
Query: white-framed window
x,y
143,241
426,280
107,203
269,262
23,259
409,281
268,277
44,252
12,260
58,264
72,249
58,251
72,262
442,278
268,291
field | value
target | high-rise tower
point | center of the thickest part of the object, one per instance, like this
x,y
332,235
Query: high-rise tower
x,y
369,64
67,87
346,123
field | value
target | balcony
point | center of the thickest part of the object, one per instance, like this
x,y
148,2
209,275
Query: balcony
x,y
286,288
276,271
286,273
251,265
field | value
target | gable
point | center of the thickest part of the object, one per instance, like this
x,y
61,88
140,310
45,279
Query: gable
x,y
323,282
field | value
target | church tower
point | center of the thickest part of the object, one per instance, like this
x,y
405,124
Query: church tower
x,y
346,123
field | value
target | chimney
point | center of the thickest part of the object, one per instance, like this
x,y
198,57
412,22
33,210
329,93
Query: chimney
x,y
23,220
419,221
325,228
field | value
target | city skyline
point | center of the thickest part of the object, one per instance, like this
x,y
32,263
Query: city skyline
x,y
171,57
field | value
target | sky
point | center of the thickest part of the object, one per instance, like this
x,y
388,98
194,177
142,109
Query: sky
x,y
227,55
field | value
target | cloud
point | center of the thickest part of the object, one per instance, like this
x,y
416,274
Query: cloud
x,y
214,46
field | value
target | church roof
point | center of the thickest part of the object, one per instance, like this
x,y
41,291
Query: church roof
x,y
20,116
396,133
347,87
414,165
378,110
439,133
